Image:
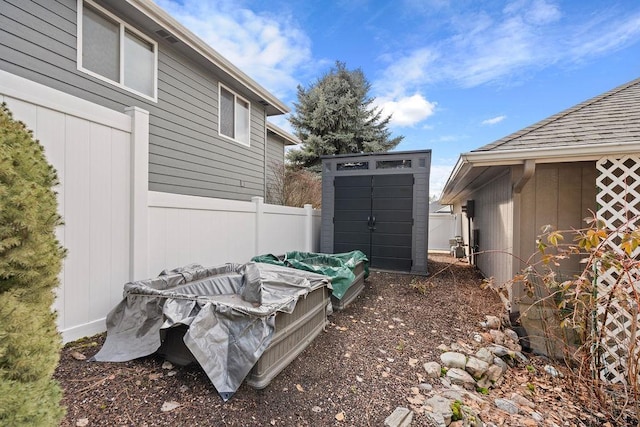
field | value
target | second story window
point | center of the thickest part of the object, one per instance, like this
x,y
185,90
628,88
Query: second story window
x,y
234,116
111,50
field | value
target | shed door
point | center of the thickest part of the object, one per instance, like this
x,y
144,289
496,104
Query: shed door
x,y
351,212
374,214
392,208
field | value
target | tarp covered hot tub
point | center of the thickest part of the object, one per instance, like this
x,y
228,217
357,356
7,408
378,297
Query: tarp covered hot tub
x,y
237,321
347,271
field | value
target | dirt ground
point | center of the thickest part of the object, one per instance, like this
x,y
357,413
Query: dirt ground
x,y
353,374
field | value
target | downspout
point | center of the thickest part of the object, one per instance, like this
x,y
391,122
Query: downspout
x,y
264,174
527,173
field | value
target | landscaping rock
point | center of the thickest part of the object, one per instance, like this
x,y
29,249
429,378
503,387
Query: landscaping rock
x,y
511,345
401,417
491,322
498,350
485,355
470,417
490,377
498,336
425,386
433,419
441,406
507,406
551,371
443,347
512,335
432,369
522,401
452,359
461,347
494,372
452,395
461,377
476,367
501,363
521,357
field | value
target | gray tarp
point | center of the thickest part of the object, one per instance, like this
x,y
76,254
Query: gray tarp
x,y
229,311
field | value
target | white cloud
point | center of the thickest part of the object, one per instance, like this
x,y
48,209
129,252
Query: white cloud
x,y
438,178
599,37
494,120
409,71
408,110
535,11
446,138
501,45
270,51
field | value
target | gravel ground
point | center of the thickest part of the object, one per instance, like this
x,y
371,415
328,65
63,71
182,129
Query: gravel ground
x,y
353,374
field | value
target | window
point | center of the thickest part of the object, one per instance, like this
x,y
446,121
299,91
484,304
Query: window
x,y
111,50
234,117
352,166
393,164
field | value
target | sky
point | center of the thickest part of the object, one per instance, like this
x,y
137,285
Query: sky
x,y
454,74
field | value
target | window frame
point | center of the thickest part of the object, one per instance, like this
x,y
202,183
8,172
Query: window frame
x,y
122,30
236,98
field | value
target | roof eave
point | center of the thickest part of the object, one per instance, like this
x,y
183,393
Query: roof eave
x,y
273,105
289,139
467,161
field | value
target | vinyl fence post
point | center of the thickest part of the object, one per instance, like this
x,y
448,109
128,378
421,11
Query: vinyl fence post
x,y
139,220
308,228
259,201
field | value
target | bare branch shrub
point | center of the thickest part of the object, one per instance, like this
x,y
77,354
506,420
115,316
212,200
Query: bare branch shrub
x,y
591,318
288,186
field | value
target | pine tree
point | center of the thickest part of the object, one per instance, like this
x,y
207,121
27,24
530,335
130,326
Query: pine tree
x,y
336,116
30,261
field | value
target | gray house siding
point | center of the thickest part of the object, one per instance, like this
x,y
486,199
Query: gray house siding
x,y
275,156
494,222
186,154
275,149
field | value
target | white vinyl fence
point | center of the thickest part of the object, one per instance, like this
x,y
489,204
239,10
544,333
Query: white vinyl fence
x,y
115,230
187,229
442,228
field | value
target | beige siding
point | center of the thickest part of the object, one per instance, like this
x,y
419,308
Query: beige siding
x,y
560,195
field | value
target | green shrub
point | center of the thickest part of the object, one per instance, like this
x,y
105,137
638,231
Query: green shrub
x,y
30,261
456,409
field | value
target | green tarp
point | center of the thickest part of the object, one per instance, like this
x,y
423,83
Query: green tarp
x,y
338,267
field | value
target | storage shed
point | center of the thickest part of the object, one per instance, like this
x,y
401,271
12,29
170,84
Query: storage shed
x,y
378,203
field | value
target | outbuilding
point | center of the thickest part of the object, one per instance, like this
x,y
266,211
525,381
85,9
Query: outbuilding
x,y
378,203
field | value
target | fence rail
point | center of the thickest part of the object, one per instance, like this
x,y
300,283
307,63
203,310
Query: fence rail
x,y
115,229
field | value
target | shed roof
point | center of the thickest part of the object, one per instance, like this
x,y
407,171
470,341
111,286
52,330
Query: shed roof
x,y
604,125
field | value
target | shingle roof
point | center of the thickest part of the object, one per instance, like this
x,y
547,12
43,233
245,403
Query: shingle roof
x,y
613,116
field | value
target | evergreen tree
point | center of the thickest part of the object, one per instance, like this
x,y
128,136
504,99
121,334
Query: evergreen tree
x,y
30,261
336,116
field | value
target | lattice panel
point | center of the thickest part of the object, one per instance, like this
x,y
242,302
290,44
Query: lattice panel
x,y
618,199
